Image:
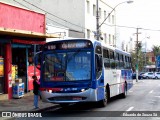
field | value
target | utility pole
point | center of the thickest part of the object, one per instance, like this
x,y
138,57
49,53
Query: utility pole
x,y
137,51
97,17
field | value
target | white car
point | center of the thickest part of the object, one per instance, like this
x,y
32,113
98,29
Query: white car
x,y
148,75
156,75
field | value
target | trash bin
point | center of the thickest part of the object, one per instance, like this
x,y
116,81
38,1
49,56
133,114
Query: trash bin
x,y
18,90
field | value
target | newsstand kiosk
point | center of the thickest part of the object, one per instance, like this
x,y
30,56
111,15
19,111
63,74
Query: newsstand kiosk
x,y
18,89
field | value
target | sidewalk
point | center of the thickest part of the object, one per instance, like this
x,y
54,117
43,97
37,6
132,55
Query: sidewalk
x,y
23,104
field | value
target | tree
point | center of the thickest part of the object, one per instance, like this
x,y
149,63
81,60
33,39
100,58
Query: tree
x,y
140,60
156,50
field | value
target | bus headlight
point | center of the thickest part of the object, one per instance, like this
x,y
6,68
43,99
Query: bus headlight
x,y
50,91
82,90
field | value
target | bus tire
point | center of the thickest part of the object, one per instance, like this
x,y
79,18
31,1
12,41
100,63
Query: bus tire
x,y
104,102
124,94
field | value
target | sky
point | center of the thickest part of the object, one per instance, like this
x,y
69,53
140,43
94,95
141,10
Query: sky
x,y
139,14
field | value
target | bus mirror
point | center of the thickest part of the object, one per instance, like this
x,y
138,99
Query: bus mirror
x,y
37,59
98,62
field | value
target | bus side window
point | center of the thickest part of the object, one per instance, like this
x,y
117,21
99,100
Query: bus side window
x,y
117,61
98,61
112,59
106,58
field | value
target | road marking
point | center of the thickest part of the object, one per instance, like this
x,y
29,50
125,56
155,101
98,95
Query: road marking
x,y
130,91
157,96
129,109
151,91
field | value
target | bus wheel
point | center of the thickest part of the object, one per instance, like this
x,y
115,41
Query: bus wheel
x,y
103,102
125,91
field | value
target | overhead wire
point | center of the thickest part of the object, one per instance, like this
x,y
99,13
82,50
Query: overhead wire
x,y
53,14
91,31
46,12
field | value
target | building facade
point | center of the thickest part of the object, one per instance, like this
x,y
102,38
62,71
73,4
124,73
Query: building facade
x,y
79,16
20,31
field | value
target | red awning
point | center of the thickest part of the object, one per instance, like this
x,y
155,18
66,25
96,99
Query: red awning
x,y
28,42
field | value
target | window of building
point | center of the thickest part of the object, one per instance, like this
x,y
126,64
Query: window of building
x,y
105,38
105,15
109,18
109,39
113,39
113,19
94,10
88,7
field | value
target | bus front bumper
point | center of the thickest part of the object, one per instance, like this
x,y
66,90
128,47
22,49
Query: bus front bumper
x,y
89,95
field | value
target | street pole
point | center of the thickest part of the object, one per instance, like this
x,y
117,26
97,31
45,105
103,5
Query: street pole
x,y
34,56
145,64
137,51
97,17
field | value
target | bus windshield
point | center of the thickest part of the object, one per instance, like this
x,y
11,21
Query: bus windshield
x,y
67,66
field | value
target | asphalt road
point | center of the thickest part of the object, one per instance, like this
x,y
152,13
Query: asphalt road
x,y
143,100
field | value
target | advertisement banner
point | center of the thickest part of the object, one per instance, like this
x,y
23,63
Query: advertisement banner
x,y
30,74
1,67
157,61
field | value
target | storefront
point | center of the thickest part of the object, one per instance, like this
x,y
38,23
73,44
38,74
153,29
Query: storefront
x,y
1,68
22,62
20,31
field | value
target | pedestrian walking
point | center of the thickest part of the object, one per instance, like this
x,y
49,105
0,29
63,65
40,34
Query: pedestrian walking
x,y
36,86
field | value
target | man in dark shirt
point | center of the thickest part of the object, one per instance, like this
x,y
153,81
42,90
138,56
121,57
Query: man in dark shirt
x,y
36,86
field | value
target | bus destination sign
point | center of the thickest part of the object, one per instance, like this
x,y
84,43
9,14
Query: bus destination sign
x,y
67,45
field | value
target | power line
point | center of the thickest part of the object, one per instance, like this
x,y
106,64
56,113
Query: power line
x,y
46,17
70,22
52,14
132,27
91,31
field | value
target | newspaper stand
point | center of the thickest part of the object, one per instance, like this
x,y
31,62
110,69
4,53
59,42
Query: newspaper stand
x,y
18,90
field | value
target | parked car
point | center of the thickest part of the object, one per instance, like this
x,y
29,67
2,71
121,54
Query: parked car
x,y
148,75
156,75
139,76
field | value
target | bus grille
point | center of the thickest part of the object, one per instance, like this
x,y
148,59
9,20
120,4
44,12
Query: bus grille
x,y
64,98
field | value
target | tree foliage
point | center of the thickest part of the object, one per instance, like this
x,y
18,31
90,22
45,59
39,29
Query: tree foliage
x,y
156,50
140,60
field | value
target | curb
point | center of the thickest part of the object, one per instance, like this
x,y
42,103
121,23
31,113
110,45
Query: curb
x,y
44,109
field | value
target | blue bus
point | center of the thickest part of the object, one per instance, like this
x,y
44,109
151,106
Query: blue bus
x,y
82,70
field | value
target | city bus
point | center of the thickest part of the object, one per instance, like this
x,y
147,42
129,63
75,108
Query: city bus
x,y
82,70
